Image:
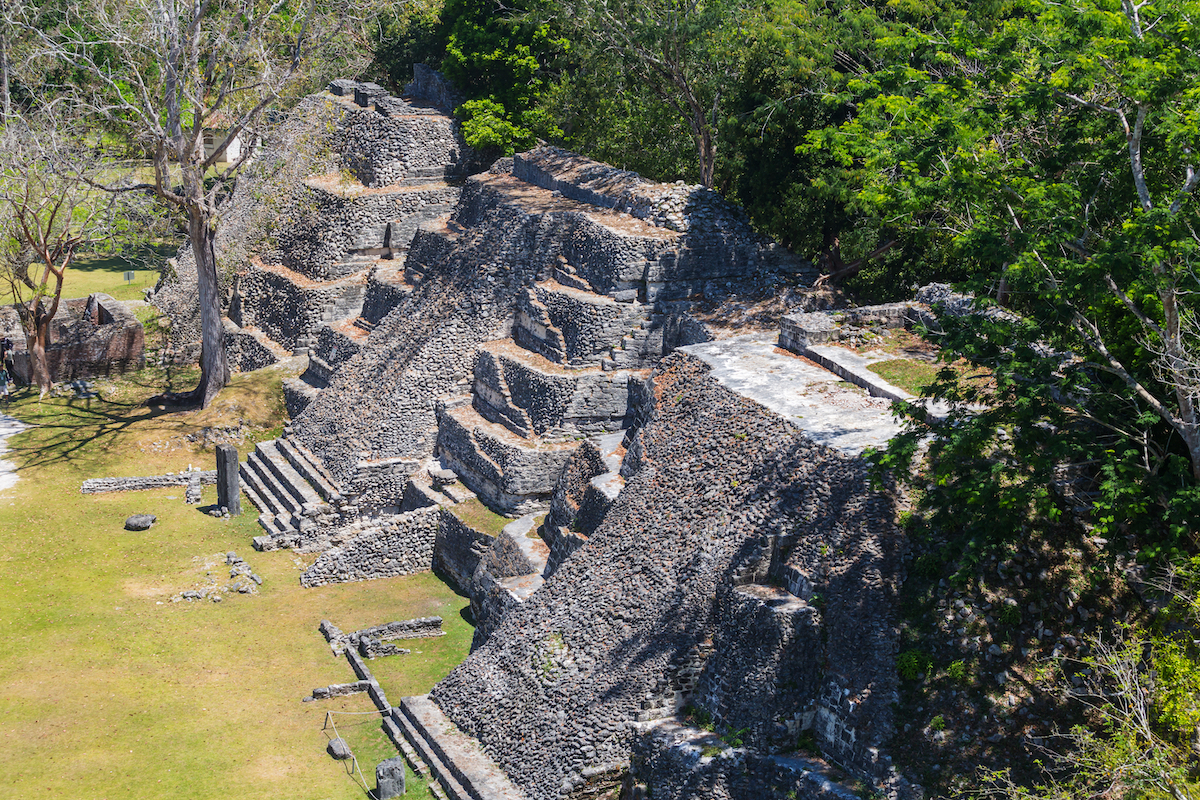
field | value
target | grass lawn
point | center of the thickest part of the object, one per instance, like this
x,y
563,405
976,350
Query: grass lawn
x,y
913,375
91,273
114,691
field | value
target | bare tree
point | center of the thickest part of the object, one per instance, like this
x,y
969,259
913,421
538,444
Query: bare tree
x,y
166,74
46,213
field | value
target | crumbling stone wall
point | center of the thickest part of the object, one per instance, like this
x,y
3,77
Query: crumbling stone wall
x,y
399,545
336,223
89,338
714,481
392,141
458,550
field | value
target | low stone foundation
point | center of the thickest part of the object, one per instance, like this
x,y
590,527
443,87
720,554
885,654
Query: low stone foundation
x,y
420,628
137,484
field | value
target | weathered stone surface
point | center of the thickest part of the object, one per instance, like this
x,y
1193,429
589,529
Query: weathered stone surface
x,y
721,493
338,748
229,489
389,778
140,522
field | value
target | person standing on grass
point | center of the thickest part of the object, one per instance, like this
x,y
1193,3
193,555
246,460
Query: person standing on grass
x,y
4,381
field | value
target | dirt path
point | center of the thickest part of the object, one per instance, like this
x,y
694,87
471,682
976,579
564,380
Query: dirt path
x,y
8,470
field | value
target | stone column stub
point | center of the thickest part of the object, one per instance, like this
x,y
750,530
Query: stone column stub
x,y
229,490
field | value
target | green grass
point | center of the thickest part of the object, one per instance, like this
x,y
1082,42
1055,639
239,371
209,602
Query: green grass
x,y
478,516
91,273
910,375
114,691
913,375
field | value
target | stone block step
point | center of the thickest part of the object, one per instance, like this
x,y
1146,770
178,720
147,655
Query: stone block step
x,y
471,767
437,768
269,487
288,477
261,493
306,465
250,491
397,736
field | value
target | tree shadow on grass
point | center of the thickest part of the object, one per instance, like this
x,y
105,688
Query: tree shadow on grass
x,y
71,425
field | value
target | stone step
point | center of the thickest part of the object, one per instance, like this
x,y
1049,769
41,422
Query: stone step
x,y
470,766
305,464
270,487
266,498
397,736
291,480
444,777
250,491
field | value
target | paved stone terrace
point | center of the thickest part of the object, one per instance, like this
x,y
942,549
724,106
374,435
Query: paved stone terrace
x,y
813,399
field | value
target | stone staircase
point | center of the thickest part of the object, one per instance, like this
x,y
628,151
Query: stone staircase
x,y
291,490
457,762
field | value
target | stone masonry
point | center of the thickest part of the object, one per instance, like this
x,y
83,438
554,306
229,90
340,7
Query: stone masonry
x,y
697,531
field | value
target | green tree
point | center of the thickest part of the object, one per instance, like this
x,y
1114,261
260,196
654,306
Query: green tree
x,y
684,51
1052,150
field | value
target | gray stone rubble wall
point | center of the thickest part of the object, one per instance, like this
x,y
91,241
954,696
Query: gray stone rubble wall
x,y
718,481
138,484
398,545
335,226
458,550
244,351
509,476
576,508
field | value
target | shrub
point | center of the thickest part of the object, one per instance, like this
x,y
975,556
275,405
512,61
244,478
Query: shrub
x,y
912,663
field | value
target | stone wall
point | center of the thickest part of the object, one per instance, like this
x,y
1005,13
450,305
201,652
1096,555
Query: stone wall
x,y
419,628
398,545
339,222
620,631
394,140
458,550
89,338
430,85
138,484
244,351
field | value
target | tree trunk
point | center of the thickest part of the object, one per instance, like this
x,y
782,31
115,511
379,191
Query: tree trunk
x,y
35,341
214,368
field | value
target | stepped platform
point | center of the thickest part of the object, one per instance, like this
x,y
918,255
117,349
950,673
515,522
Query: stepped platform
x,y
828,409
462,768
533,396
291,490
511,474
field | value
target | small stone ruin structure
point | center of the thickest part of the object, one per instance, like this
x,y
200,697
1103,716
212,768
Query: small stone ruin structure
x,y
694,535
89,337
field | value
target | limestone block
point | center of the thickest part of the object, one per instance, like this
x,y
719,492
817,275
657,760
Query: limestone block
x,y
389,778
140,522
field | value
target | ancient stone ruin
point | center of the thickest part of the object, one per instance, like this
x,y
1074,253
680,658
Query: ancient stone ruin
x,y
698,577
90,337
